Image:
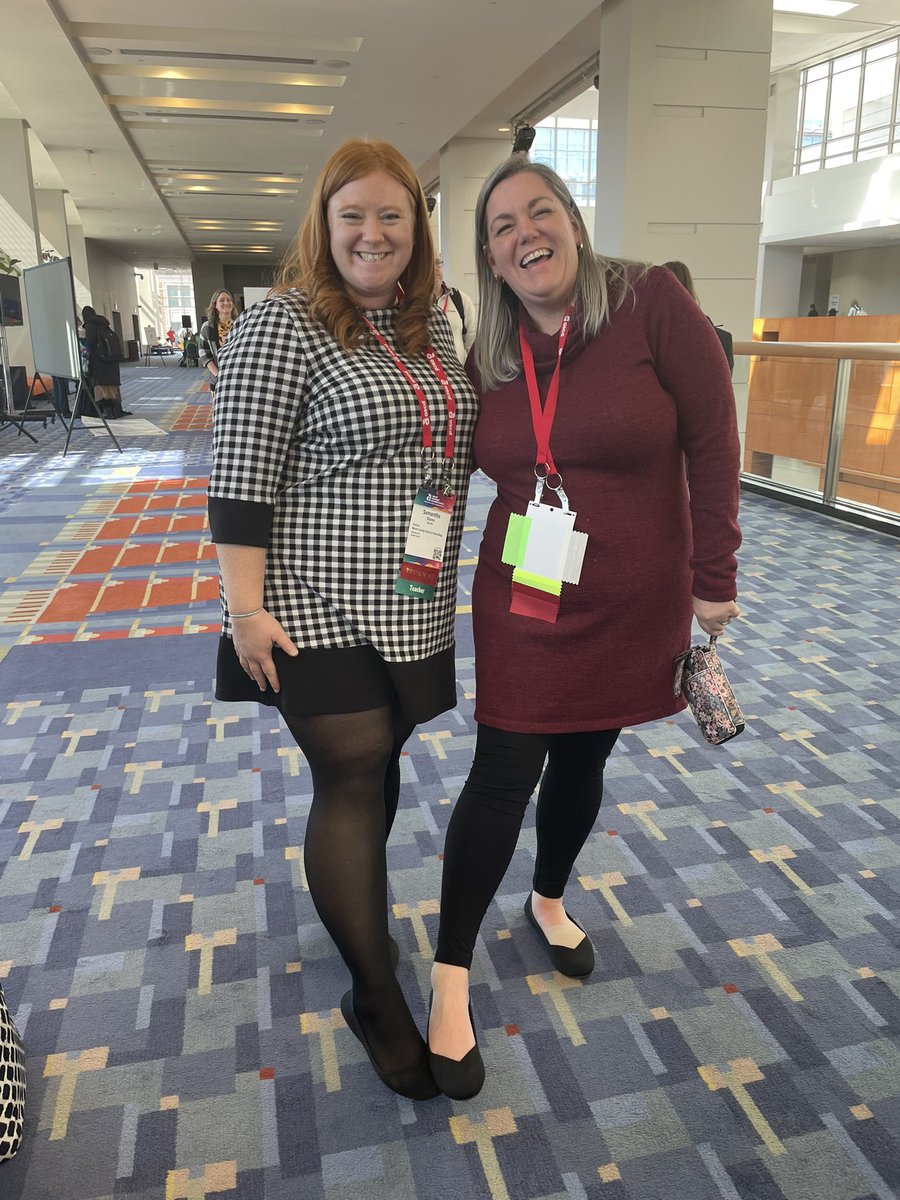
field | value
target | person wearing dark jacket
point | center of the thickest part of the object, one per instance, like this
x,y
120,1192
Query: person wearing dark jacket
x,y
684,277
103,376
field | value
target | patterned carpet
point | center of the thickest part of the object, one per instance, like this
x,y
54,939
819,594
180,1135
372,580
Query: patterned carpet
x,y
178,997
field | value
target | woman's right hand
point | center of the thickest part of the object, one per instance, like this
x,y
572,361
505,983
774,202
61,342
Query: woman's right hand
x,y
253,639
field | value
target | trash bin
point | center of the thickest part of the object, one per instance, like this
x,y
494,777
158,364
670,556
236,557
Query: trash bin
x,y
134,351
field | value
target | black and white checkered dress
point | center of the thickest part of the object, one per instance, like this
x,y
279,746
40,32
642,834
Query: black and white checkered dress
x,y
317,456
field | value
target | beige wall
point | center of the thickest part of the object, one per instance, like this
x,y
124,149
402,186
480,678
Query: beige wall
x,y
112,284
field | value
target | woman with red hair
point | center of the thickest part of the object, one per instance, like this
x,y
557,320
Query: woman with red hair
x,y
343,426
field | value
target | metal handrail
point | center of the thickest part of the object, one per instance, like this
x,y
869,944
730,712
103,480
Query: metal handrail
x,y
845,354
870,351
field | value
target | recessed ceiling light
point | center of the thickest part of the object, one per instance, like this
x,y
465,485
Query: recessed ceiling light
x,y
336,64
98,50
314,121
814,8
128,112
504,128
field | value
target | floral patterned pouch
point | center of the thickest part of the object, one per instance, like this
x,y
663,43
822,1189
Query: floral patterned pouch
x,y
701,678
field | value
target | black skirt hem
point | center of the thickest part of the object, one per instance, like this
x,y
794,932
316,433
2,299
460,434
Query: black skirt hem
x,y
344,679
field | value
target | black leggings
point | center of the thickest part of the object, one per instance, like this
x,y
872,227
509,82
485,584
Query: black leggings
x,y
355,763
484,828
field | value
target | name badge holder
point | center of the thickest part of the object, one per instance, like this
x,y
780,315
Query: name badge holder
x,y
543,547
429,523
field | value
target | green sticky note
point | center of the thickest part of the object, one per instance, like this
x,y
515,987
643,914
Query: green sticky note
x,y
540,582
516,539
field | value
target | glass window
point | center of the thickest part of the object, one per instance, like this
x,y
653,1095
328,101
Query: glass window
x,y
878,90
881,50
843,107
842,145
846,61
851,104
874,137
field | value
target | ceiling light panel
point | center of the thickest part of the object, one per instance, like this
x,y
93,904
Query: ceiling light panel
x,y
215,41
195,104
813,8
218,176
223,75
220,106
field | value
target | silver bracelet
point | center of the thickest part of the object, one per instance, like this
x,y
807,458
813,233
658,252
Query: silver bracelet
x,y
252,613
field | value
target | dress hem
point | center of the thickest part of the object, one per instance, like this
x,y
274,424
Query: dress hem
x,y
584,726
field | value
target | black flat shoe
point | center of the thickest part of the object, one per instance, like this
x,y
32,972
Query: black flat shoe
x,y
458,1078
574,961
414,1082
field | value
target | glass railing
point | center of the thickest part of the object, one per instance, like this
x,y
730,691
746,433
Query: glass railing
x,y
822,420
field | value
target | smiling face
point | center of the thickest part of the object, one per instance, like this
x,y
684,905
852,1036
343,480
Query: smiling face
x,y
371,225
532,244
224,306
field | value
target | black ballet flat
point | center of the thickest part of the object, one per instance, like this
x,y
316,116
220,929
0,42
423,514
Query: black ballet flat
x,y
415,1081
458,1078
574,961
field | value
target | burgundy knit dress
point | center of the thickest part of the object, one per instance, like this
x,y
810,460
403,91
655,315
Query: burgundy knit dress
x,y
645,404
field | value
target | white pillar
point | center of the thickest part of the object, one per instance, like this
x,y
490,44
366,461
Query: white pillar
x,y
682,123
779,268
778,282
465,163
18,222
53,230
78,252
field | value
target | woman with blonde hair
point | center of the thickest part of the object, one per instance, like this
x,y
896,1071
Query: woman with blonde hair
x,y
603,391
341,447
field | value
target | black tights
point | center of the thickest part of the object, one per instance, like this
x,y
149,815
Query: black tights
x,y
355,763
484,828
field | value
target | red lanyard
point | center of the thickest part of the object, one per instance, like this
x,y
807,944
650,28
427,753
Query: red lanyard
x,y
440,374
542,419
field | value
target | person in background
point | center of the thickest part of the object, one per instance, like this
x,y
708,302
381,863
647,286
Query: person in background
x,y
61,396
813,311
856,310
103,371
684,277
220,317
458,308
832,312
603,381
342,425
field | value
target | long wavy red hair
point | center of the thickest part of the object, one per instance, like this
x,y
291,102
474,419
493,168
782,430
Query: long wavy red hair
x,y
309,265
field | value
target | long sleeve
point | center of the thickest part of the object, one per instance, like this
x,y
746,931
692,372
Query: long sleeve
x,y
208,349
691,366
259,395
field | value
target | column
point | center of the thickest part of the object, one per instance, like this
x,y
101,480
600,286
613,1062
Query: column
x,y
682,124
780,268
53,229
18,222
78,252
465,163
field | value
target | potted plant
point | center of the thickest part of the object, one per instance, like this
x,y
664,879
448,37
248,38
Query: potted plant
x,y
9,266
10,297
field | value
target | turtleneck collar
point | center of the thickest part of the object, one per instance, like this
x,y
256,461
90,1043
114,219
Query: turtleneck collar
x,y
545,346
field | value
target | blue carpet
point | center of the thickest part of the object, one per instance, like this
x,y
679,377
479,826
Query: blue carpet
x,y
739,1039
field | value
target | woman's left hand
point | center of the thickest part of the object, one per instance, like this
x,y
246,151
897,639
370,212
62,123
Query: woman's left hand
x,y
713,615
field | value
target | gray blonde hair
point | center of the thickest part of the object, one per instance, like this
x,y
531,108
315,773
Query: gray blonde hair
x,y
601,285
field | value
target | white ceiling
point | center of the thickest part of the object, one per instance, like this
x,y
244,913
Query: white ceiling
x,y
207,127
